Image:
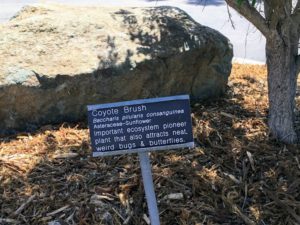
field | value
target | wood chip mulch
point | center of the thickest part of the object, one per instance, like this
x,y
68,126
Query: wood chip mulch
x,y
235,175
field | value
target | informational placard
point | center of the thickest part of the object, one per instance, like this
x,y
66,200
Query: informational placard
x,y
140,125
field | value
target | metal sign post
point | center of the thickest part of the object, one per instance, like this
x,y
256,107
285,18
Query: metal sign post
x,y
149,187
141,126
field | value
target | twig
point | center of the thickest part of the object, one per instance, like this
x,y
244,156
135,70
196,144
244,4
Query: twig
x,y
228,115
20,209
246,40
284,206
8,220
246,196
250,157
146,219
230,17
236,210
297,160
58,210
127,220
118,214
172,181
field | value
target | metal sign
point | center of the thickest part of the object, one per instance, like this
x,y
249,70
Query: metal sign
x,y
140,125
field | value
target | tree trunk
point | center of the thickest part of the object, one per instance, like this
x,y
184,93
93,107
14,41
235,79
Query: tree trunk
x,y
282,82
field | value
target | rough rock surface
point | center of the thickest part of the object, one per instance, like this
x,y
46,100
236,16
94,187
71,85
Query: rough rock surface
x,y
54,60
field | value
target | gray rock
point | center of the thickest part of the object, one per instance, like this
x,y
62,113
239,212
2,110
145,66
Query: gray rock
x,y
55,60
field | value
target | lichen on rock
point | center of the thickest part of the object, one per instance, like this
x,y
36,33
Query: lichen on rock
x,y
57,59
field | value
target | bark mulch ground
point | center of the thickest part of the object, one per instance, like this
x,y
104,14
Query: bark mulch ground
x,y
236,174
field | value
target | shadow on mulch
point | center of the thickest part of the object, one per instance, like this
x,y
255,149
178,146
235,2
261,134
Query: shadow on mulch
x,y
235,175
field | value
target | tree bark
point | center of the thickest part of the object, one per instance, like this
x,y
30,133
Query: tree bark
x,y
280,24
282,81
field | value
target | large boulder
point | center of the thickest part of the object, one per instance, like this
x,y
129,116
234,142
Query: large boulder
x,y
54,60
